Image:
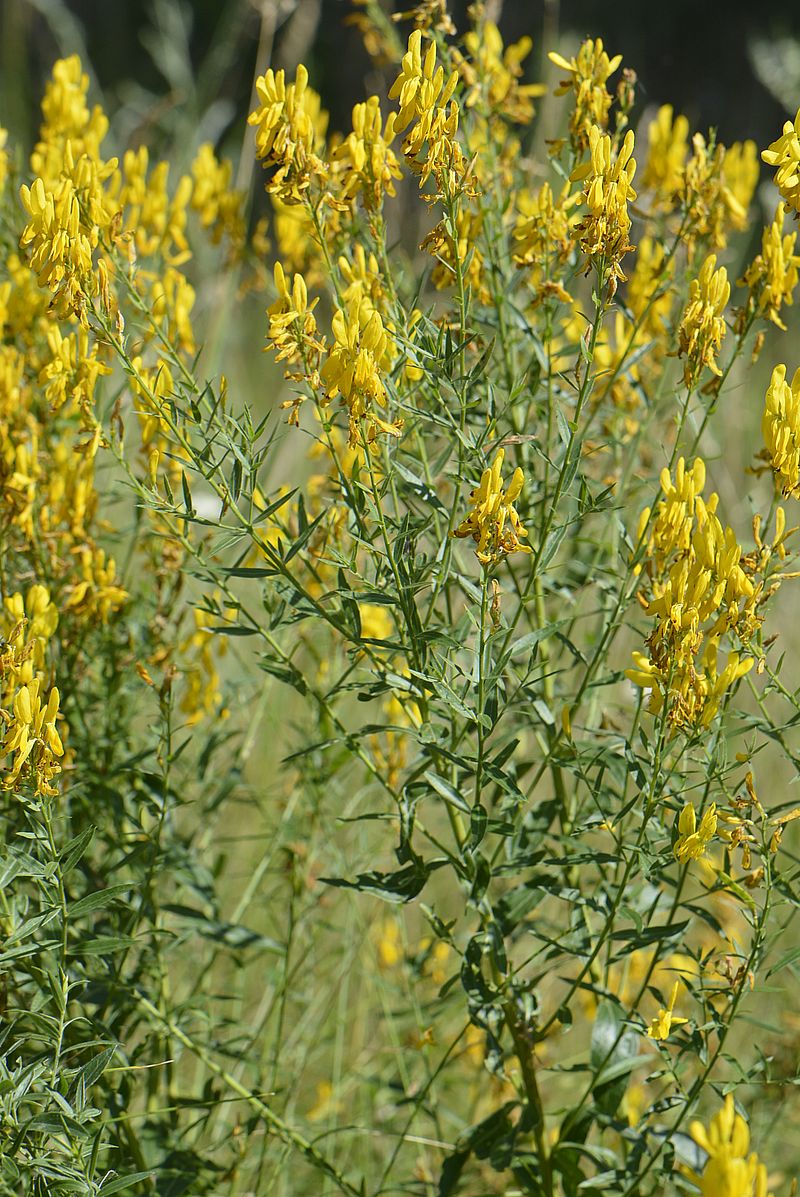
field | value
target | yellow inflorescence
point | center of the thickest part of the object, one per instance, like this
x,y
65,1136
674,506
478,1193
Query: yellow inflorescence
x,y
784,155
780,425
427,106
289,133
608,189
703,324
668,146
361,353
587,75
493,523
699,592
729,1170
692,840
772,275
661,1026
492,73
370,164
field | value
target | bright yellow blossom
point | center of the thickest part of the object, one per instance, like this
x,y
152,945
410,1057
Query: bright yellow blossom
x,y
361,353
492,73
493,523
666,155
692,840
588,74
728,1171
289,133
32,739
772,275
703,325
426,104
219,206
370,164
780,426
607,189
661,1026
784,155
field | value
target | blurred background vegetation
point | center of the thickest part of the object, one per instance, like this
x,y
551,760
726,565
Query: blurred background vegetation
x,y
734,67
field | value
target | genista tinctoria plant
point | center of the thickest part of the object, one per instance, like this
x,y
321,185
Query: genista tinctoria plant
x,y
501,903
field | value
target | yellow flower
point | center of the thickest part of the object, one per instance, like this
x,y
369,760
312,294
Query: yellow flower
x,y
772,275
219,206
698,591
426,103
650,295
544,237
780,426
493,73
293,334
716,189
370,164
784,155
389,943
661,1026
361,353
32,738
608,189
703,325
588,73
290,129
666,155
67,118
493,523
157,220
692,840
729,1171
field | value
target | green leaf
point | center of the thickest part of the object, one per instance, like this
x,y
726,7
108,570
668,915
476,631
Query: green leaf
x,y
400,886
123,1182
96,901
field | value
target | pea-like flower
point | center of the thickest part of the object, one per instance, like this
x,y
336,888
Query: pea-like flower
x,y
32,738
784,155
370,163
493,523
661,1026
692,840
587,74
780,426
772,275
703,325
607,189
361,353
289,133
729,1170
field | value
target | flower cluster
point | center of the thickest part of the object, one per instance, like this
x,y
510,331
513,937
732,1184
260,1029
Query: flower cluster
x,y
784,155
587,75
370,164
493,523
492,73
780,425
608,189
667,148
729,1171
30,738
661,1026
427,106
703,326
772,275
692,840
290,130
699,591
361,353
